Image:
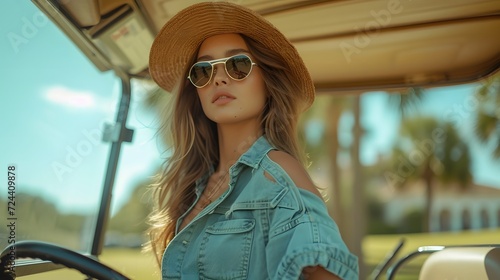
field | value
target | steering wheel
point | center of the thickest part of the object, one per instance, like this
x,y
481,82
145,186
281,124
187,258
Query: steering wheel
x,y
55,254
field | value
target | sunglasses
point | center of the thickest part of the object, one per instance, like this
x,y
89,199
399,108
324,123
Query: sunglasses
x,y
238,67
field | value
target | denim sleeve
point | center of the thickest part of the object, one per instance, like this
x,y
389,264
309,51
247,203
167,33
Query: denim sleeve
x,y
308,237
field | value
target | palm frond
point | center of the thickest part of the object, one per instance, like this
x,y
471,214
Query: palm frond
x,y
496,151
407,101
484,126
487,115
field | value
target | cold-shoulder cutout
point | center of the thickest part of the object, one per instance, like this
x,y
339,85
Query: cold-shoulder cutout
x,y
295,171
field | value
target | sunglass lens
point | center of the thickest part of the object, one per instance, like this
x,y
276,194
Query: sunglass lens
x,y
200,73
238,67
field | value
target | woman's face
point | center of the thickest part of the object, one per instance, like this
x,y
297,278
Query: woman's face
x,y
224,100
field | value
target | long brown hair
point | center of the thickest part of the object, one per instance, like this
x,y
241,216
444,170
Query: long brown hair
x,y
194,142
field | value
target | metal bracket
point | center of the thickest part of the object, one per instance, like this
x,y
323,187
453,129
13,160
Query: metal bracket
x,y
116,132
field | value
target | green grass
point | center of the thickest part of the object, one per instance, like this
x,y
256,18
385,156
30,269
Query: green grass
x,y
135,265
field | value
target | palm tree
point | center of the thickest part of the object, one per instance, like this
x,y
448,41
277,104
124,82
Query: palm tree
x,y
352,222
487,113
328,112
358,217
431,151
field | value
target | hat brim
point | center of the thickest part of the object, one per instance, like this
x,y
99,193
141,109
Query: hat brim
x,y
182,35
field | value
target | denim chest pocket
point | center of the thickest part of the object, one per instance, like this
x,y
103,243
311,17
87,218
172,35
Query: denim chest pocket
x,y
225,250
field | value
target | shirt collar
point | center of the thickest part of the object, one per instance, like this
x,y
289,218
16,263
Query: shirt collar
x,y
252,157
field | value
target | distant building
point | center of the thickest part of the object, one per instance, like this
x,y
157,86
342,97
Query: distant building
x,y
453,209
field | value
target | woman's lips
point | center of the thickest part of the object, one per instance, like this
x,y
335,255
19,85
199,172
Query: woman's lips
x,y
222,98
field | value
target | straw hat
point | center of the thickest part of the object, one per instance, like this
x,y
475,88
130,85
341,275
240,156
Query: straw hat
x,y
182,35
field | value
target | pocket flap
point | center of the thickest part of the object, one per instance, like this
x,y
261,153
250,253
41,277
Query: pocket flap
x,y
231,226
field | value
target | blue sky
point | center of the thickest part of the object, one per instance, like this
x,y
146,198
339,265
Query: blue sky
x,y
54,102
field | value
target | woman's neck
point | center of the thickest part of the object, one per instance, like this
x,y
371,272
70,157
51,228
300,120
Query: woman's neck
x,y
233,142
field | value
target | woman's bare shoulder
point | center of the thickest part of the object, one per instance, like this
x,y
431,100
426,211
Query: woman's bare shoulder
x,y
295,170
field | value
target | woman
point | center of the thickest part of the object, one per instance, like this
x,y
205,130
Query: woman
x,y
234,200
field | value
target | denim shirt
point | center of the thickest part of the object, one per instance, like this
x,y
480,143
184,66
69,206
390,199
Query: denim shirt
x,y
258,229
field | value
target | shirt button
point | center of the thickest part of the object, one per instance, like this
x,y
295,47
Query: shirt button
x,y
184,242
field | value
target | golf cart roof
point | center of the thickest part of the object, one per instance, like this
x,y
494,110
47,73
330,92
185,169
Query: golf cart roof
x,y
347,45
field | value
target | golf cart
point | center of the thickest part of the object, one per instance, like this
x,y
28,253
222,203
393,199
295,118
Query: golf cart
x,y
350,47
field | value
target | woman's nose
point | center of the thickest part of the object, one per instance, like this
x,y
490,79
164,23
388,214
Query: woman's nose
x,y
220,75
